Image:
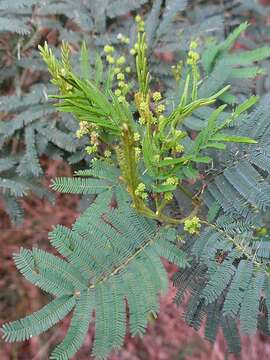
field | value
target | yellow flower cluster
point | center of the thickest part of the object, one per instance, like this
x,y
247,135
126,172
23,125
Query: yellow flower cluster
x,y
141,187
179,148
121,98
172,181
192,225
193,56
121,60
168,196
107,153
110,59
84,128
136,136
94,138
120,76
140,191
108,49
91,149
121,84
143,106
156,96
118,92
140,23
142,121
122,89
160,108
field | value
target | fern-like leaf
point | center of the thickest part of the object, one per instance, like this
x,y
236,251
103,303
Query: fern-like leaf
x,y
80,185
110,256
39,321
77,329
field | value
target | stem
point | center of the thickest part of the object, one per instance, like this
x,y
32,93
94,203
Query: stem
x,y
195,82
130,172
131,178
169,220
129,166
161,206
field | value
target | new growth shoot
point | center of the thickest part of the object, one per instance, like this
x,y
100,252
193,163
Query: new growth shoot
x,y
148,144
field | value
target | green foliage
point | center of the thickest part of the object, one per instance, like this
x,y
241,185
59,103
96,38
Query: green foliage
x,y
80,186
240,186
106,263
78,327
233,265
31,118
39,321
109,120
222,67
144,156
237,195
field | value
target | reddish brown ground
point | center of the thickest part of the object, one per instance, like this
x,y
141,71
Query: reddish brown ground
x,y
167,338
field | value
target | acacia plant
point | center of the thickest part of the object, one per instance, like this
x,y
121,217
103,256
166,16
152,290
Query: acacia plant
x,y
143,155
